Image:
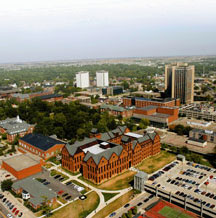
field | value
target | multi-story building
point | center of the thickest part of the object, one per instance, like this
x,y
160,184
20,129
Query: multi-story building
x,y
179,82
102,78
206,135
112,90
82,79
40,145
15,127
158,116
140,102
105,155
116,110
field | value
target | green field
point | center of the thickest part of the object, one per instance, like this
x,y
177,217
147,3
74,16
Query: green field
x,y
169,212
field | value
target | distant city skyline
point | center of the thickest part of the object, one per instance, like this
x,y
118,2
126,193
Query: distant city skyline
x,y
55,30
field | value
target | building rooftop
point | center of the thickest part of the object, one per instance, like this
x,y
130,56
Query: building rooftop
x,y
153,99
142,175
36,189
95,149
14,125
21,162
40,141
147,108
134,135
44,97
112,107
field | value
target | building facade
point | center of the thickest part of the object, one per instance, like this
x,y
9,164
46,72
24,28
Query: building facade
x,y
82,79
15,127
179,82
105,155
140,102
102,78
158,116
206,135
40,145
116,110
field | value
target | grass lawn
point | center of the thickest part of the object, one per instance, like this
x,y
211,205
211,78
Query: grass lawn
x,y
108,196
156,162
55,205
79,209
54,160
114,205
55,172
69,172
48,165
173,213
118,182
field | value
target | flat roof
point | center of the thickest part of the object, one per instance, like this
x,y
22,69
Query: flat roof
x,y
96,149
135,135
21,162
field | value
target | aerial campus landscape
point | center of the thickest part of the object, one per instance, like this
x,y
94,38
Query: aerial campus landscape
x,y
96,122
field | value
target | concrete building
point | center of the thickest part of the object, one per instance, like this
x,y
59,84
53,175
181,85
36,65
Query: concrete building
x,y
22,166
206,135
38,192
15,127
107,154
112,90
139,180
82,79
102,78
179,82
40,145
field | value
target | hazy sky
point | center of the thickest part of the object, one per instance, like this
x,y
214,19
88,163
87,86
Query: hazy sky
x,y
37,30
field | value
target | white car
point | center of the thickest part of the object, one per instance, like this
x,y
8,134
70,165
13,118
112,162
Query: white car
x,y
9,216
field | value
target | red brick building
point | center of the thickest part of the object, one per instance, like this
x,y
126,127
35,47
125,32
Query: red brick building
x,y
15,126
40,145
22,166
140,102
116,110
109,154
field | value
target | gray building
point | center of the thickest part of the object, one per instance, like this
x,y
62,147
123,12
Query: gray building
x,y
206,135
139,180
179,82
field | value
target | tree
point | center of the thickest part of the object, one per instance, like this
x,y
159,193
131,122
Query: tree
x,y
134,210
6,185
4,136
124,216
125,85
129,214
144,123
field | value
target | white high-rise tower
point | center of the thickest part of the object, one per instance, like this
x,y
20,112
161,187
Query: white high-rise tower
x,y
102,78
82,79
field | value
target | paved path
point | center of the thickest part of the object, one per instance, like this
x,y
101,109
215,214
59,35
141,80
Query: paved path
x,y
102,203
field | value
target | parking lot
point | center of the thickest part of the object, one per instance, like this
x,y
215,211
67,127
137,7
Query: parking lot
x,y
66,191
193,181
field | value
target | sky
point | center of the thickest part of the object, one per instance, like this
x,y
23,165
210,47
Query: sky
x,y
46,30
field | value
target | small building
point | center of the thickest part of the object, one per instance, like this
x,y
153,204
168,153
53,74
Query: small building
x,y
139,180
36,193
197,142
40,145
181,157
206,135
15,127
22,166
112,90
116,110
